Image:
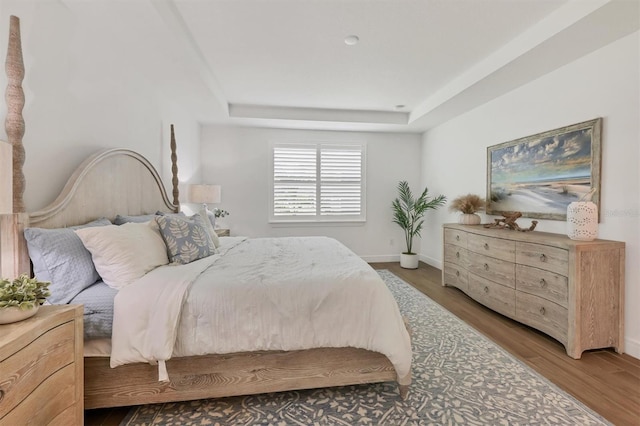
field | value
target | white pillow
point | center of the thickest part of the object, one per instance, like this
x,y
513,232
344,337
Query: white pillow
x,y
124,253
212,232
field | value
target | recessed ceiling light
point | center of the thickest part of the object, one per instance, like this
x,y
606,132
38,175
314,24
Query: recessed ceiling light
x,y
351,40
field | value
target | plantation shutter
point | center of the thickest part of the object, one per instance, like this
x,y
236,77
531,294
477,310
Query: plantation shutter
x,y
341,181
317,182
294,181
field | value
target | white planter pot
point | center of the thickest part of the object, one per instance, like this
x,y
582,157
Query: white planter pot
x,y
14,314
469,219
409,261
582,221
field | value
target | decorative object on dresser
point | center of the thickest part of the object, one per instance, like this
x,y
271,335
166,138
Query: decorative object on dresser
x,y
468,205
508,221
582,221
541,174
570,290
408,213
42,368
20,298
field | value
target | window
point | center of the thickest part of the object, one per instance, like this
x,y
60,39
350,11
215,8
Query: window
x,y
317,183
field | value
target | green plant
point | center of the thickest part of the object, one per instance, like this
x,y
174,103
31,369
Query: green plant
x,y
409,211
467,204
23,292
220,212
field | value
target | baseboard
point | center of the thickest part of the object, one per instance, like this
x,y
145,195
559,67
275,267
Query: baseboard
x,y
381,258
632,347
430,261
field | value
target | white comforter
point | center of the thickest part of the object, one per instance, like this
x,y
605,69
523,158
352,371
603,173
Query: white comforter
x,y
260,294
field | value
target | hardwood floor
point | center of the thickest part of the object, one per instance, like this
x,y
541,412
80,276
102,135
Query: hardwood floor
x,y
607,382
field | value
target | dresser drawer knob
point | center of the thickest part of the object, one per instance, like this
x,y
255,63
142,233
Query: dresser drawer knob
x,y
486,246
458,254
542,311
1,394
543,282
457,237
543,258
457,273
486,289
486,266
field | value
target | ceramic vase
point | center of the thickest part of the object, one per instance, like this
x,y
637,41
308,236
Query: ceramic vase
x,y
15,314
469,219
582,221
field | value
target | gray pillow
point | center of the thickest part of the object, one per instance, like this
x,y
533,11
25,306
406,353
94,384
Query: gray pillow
x,y
187,238
59,257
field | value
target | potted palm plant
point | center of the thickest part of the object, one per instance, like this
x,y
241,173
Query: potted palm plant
x,y
20,298
408,213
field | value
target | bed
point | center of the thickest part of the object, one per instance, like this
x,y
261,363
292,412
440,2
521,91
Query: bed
x,y
89,196
121,182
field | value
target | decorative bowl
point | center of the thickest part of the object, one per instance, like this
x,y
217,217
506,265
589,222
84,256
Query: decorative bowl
x,y
14,314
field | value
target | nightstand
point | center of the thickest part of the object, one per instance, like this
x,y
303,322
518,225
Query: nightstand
x,y
223,232
41,360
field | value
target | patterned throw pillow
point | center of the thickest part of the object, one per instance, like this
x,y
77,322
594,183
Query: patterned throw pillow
x,y
186,238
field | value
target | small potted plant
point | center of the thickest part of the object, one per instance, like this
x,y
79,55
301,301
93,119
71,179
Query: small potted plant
x,y
20,298
408,213
468,205
219,213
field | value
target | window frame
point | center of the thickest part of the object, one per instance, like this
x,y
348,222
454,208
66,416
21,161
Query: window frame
x,y
318,218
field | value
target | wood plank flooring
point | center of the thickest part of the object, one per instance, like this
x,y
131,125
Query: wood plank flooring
x,y
607,382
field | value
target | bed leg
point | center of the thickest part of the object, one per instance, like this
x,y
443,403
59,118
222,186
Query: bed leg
x,y
404,391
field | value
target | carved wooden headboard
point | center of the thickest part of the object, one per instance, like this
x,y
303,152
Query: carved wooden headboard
x,y
108,183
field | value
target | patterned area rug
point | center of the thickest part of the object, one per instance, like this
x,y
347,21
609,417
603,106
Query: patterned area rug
x,y
459,378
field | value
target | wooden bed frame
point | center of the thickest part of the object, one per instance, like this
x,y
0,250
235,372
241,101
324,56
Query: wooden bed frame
x,y
120,181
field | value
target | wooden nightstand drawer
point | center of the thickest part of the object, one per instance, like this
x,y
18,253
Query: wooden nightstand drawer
x,y
28,368
41,361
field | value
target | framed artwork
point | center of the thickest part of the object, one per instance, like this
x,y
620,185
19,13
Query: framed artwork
x,y
539,175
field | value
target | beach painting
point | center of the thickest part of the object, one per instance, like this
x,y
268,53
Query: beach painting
x,y
540,175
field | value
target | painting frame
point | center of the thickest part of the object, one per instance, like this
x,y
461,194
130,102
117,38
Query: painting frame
x,y
555,164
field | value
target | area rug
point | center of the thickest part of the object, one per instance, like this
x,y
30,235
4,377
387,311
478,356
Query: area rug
x,y
459,378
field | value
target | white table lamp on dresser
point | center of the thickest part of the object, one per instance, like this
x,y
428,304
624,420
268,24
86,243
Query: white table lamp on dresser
x,y
206,194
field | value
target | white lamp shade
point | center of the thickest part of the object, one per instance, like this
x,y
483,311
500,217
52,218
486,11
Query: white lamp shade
x,y
206,194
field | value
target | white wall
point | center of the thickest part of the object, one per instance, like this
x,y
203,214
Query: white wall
x,y
238,159
602,84
99,90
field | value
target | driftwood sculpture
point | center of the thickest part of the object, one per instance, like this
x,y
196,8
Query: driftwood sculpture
x,y
509,222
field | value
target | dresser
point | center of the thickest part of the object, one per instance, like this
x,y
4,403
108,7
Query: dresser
x,y
571,290
41,365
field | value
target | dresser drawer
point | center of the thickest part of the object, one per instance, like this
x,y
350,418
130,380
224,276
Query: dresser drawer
x,y
24,371
543,257
456,276
543,315
492,295
456,237
456,254
545,284
492,269
494,247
